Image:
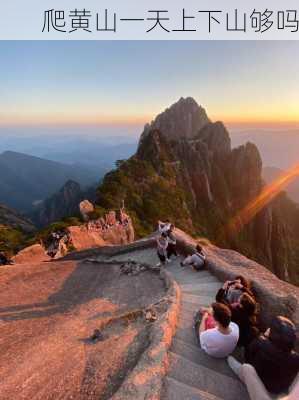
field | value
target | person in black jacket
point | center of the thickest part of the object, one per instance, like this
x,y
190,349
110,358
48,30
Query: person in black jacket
x,y
273,357
244,314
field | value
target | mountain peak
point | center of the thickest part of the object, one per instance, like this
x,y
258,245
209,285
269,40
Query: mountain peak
x,y
70,185
183,119
187,100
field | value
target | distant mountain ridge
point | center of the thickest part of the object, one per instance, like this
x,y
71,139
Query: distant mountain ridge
x,y
25,179
12,219
64,203
278,147
98,156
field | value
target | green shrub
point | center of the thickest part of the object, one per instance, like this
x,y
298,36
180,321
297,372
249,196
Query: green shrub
x,y
11,240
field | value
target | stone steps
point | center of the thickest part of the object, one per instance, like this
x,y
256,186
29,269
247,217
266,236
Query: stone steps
x,y
182,273
193,353
198,299
183,333
205,379
193,307
175,390
193,375
203,288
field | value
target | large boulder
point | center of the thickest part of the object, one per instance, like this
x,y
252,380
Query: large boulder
x,y
86,208
31,255
83,238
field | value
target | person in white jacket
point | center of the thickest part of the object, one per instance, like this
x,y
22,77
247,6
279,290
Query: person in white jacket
x,y
197,260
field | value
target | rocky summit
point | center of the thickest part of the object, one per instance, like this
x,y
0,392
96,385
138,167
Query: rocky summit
x,y
182,120
185,170
106,324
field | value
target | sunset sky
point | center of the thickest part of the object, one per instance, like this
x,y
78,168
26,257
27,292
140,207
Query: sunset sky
x,y
128,83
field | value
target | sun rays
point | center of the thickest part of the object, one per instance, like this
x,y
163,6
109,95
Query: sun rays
x,y
245,215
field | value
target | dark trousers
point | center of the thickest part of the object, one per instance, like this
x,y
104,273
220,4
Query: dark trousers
x,y
161,258
171,250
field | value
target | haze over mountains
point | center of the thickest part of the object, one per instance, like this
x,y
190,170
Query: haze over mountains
x,y
41,168
25,180
70,146
278,147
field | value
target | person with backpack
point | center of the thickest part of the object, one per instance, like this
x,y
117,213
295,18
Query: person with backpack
x,y
196,260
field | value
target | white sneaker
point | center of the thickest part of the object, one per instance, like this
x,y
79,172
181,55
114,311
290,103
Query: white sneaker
x,y
158,265
168,260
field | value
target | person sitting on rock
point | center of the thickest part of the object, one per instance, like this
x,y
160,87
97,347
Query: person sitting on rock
x,y
272,364
221,340
162,244
231,291
171,248
244,314
197,260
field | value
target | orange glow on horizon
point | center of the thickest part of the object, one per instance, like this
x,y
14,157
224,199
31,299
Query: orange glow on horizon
x,y
119,120
133,114
256,121
265,197
258,116
71,120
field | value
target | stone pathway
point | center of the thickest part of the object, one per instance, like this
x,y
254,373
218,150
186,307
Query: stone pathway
x,y
193,375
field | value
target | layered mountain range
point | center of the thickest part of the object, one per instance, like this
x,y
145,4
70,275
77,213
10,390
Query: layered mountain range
x,y
64,203
185,170
26,180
